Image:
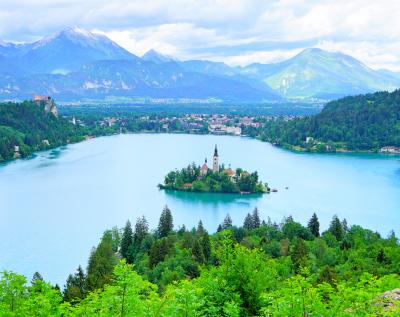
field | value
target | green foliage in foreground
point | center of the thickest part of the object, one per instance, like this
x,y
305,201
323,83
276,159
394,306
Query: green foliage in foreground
x,y
364,122
190,179
263,269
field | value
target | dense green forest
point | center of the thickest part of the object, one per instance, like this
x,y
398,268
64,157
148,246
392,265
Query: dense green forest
x,y
364,122
258,269
225,181
26,127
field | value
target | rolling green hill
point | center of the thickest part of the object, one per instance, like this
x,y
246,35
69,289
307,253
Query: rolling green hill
x,y
364,122
27,127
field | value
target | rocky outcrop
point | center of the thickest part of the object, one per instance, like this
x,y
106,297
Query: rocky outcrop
x,y
390,300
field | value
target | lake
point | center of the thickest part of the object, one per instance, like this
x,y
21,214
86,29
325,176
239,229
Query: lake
x,y
55,206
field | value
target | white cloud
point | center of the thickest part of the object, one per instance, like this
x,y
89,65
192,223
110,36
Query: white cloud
x,y
177,39
375,55
263,57
229,30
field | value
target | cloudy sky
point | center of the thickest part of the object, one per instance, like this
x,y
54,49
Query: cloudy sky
x,y
238,32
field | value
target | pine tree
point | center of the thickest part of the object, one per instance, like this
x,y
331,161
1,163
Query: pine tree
x,y
206,246
248,222
197,252
227,223
256,218
36,277
345,226
159,251
263,223
299,255
219,229
165,225
336,228
101,263
382,258
200,228
313,225
141,230
75,288
126,241
81,279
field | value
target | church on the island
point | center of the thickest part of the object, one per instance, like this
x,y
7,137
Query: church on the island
x,y
204,169
215,167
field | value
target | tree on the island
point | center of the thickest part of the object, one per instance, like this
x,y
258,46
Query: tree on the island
x,y
126,241
256,218
36,277
227,223
336,228
313,225
75,288
248,222
299,255
165,225
101,263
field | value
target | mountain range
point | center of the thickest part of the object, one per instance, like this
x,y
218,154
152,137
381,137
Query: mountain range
x,y
76,64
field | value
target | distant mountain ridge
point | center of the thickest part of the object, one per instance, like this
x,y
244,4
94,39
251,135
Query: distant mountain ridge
x,y
156,57
64,52
315,73
75,64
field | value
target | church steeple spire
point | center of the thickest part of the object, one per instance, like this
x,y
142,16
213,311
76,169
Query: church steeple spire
x,y
215,160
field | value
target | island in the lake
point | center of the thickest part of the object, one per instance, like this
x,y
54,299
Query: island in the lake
x,y
217,179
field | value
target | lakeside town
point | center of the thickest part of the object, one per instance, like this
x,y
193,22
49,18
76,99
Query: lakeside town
x,y
216,124
220,124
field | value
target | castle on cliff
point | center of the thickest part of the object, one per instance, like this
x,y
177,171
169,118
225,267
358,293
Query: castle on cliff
x,y
46,102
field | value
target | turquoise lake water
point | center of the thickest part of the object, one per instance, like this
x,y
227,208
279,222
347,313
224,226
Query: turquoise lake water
x,y
55,206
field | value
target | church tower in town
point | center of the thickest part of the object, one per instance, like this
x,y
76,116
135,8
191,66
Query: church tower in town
x,y
215,161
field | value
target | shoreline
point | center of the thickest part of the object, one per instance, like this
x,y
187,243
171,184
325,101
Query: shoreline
x,y
217,193
290,148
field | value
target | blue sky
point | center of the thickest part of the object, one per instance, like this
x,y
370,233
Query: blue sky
x,y
237,32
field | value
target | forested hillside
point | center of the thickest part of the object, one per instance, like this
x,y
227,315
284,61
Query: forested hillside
x,y
364,122
258,269
26,127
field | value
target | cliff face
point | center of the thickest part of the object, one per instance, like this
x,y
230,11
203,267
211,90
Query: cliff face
x,y
48,104
51,107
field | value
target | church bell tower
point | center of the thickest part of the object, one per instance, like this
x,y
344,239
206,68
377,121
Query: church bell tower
x,y
215,161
